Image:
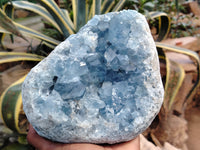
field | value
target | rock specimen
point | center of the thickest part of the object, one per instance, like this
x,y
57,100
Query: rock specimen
x,y
101,85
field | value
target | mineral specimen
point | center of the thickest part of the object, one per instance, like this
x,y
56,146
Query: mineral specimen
x,y
101,85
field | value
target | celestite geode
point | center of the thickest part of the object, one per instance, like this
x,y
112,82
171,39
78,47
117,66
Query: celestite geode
x,y
101,85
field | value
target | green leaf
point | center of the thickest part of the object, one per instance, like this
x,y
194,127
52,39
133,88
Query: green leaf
x,y
9,10
177,6
58,16
50,42
37,9
4,31
107,6
96,7
22,139
32,33
8,24
119,5
149,6
79,13
11,106
188,53
2,36
67,15
87,6
3,2
164,24
175,78
7,57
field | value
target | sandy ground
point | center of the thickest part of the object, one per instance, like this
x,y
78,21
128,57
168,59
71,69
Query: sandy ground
x,y
193,117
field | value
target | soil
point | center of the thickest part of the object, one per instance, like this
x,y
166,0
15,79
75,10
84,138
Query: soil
x,y
193,118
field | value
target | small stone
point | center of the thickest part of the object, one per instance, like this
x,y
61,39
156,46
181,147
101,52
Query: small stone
x,y
101,85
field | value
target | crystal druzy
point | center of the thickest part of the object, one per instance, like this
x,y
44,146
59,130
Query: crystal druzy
x,y
101,85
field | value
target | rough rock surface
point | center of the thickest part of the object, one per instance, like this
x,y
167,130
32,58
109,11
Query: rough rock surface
x,y
146,145
101,85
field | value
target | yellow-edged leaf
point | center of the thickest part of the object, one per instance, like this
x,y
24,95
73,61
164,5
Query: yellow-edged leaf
x,y
79,13
96,7
119,5
36,9
188,53
87,6
174,80
11,106
9,10
7,23
2,35
35,34
2,30
58,16
29,32
7,57
163,63
164,24
107,6
66,14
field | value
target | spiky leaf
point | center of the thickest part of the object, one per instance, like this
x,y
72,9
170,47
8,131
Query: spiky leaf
x,y
8,57
58,16
11,106
188,53
8,24
36,9
79,13
164,24
175,78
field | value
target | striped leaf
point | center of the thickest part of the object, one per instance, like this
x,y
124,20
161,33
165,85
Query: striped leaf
x,y
188,53
96,7
11,107
2,36
87,9
9,10
174,80
2,30
7,57
107,6
35,34
32,33
79,13
66,14
36,9
58,16
119,5
7,23
3,33
3,2
164,24
163,63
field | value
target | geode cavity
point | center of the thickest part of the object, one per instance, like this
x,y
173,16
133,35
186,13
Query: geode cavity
x,y
101,85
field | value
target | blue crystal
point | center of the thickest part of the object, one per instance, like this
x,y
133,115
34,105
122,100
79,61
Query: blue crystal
x,y
101,85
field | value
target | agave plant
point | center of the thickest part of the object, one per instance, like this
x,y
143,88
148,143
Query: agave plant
x,y
11,100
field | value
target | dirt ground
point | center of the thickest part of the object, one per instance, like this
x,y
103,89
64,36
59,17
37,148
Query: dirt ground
x,y
193,117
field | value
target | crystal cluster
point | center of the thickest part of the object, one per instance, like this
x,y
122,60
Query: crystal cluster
x,y
101,85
